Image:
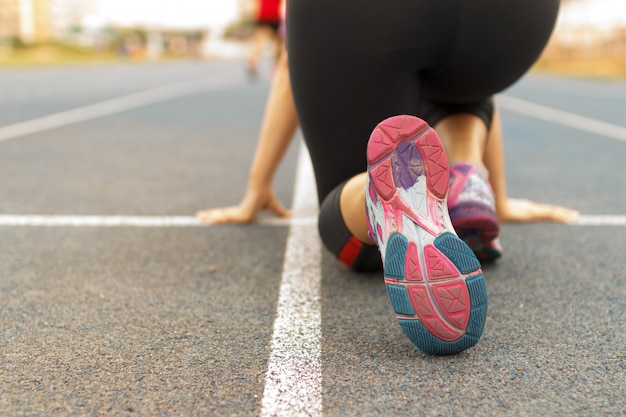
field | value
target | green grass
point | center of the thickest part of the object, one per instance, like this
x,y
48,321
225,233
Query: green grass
x,y
52,54
597,67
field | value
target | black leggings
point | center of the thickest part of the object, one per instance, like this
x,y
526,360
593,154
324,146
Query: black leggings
x,y
354,63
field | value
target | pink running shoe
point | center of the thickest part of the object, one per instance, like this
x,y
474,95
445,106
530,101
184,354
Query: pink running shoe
x,y
472,210
434,281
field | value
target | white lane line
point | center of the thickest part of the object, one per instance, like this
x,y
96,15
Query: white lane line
x,y
564,118
97,221
191,221
293,383
135,221
117,105
606,220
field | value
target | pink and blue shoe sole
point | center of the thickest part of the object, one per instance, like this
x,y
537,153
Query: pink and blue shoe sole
x,y
434,280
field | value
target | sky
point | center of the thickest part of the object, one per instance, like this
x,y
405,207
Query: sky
x,y
595,12
218,13
171,13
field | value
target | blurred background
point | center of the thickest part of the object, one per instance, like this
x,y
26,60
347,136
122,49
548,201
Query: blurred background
x,y
50,31
590,38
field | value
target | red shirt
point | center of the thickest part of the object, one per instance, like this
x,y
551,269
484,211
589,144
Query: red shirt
x,y
269,10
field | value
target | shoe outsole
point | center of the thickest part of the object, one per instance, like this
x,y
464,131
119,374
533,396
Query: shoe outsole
x,y
433,278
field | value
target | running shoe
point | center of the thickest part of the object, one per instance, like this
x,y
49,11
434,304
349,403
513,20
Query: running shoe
x,y
434,280
472,210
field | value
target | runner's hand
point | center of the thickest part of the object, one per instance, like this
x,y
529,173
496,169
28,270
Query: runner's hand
x,y
522,210
253,202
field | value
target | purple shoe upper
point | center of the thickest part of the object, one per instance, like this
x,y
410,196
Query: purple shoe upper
x,y
471,205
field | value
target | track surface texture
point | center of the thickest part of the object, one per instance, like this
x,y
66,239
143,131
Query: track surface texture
x,y
163,320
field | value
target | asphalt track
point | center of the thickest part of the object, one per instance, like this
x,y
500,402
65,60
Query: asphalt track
x,y
114,300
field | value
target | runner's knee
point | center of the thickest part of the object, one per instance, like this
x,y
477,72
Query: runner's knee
x,y
337,238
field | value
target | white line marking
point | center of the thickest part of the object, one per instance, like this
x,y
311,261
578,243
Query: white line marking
x,y
293,384
190,221
98,221
117,105
561,117
606,220
135,221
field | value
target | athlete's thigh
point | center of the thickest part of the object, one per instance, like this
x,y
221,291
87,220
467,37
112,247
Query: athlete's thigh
x,y
496,43
353,64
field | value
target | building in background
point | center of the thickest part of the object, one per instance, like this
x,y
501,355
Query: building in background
x,y
33,21
9,20
69,16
